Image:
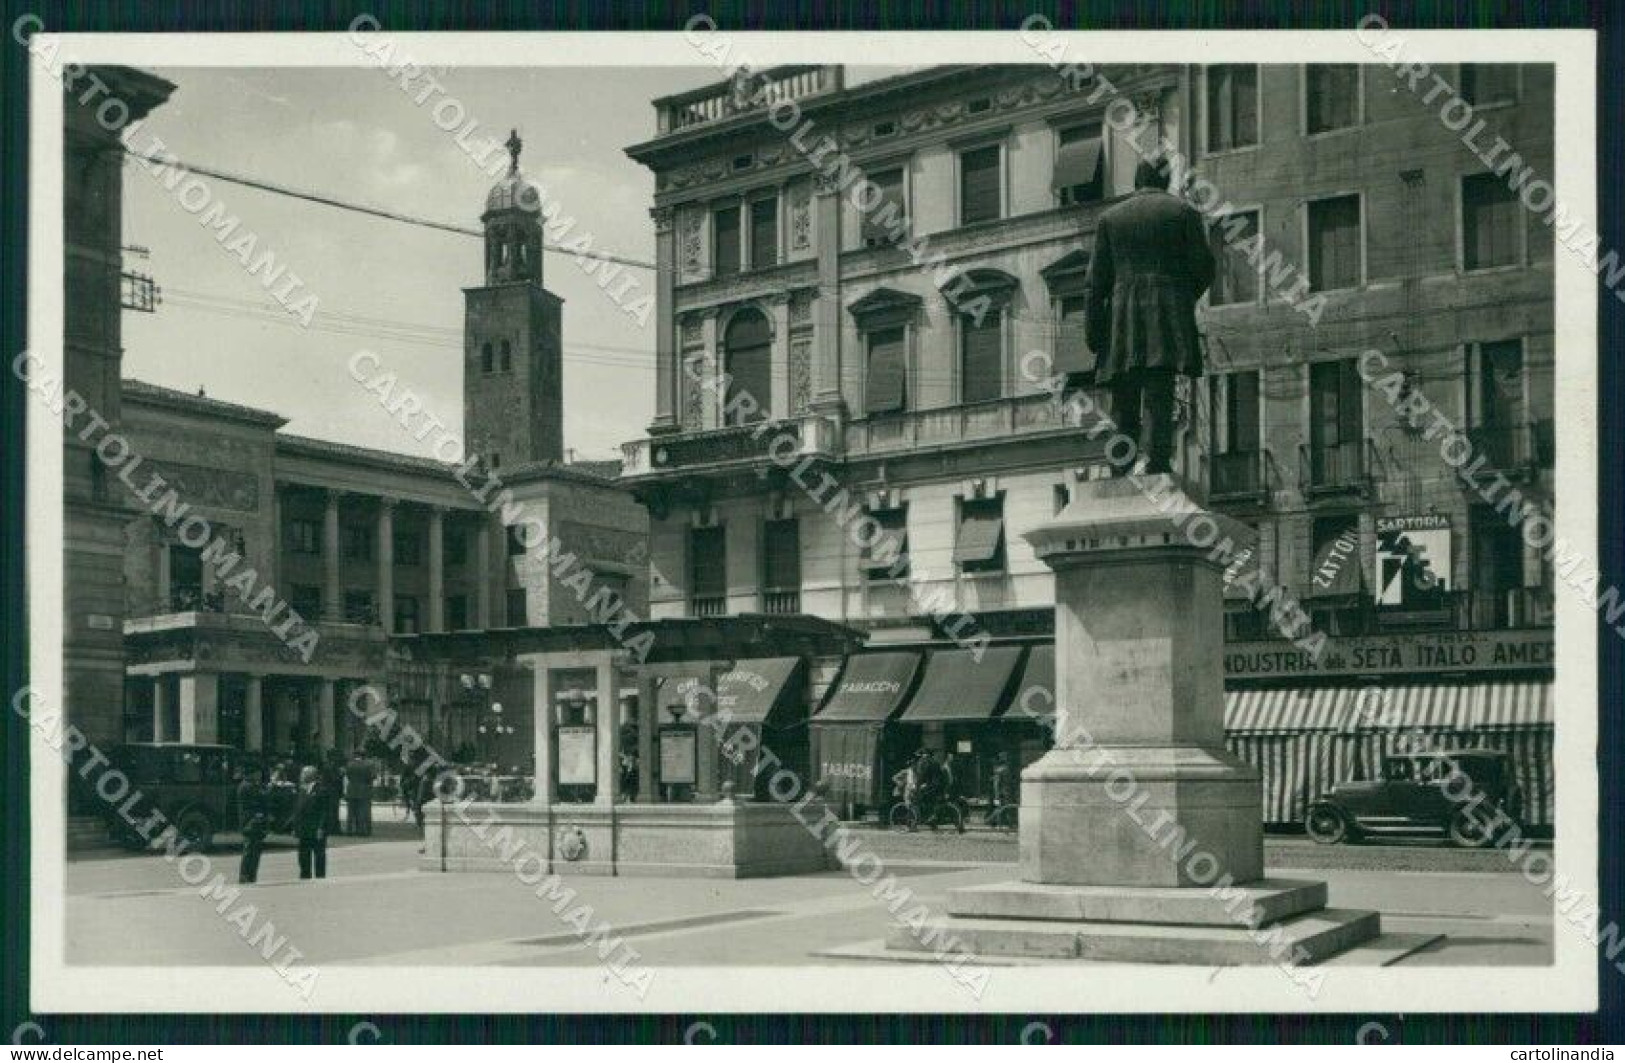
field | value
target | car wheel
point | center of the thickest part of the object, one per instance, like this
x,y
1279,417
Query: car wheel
x,y
1469,832
196,830
1326,825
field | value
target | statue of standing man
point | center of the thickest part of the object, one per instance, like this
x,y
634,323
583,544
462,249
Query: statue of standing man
x,y
1151,263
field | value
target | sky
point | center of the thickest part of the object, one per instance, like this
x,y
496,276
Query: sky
x,y
388,287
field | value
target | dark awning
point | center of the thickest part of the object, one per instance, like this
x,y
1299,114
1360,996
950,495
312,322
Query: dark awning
x,y
1337,567
980,532
957,686
751,690
871,688
1078,163
1034,698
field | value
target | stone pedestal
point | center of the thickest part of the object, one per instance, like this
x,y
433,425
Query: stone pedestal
x,y
1141,837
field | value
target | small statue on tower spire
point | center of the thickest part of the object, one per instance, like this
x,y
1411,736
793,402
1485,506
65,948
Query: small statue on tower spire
x,y
513,146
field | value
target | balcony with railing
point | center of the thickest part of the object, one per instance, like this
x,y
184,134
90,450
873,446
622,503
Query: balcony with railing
x,y
1516,451
953,425
1236,476
708,605
746,92
781,603
1325,468
783,442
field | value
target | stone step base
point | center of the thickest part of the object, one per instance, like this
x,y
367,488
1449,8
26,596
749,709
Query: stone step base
x,y
1254,904
1301,939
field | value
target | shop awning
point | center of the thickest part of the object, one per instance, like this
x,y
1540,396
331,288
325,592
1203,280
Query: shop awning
x,y
1286,711
752,689
1513,703
980,532
1337,567
957,686
1077,163
872,687
1418,706
1034,698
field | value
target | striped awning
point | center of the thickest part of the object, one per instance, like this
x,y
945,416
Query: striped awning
x,y
1513,703
1285,711
1419,706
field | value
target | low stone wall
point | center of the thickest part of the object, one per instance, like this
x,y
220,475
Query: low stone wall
x,y
736,839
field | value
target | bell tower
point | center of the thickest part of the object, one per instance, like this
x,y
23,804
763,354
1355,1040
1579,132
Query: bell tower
x,y
513,399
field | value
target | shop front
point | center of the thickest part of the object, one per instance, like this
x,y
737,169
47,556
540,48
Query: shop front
x,y
855,754
1308,722
961,707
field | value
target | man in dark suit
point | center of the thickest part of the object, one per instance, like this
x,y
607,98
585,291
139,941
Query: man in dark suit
x,y
310,812
1151,263
358,776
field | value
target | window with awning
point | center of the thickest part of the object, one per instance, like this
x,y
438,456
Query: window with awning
x,y
959,687
1077,177
1336,568
872,687
979,546
887,557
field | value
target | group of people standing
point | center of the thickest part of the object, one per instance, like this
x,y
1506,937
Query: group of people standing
x,y
318,791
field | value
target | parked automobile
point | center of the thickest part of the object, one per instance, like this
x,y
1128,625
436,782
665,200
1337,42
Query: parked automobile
x,y
1416,795
194,786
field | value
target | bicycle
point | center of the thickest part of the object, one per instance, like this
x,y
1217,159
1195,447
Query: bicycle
x,y
1005,818
905,818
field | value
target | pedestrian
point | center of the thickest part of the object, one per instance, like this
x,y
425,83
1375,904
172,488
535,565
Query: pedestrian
x,y
253,816
358,775
332,774
408,786
310,818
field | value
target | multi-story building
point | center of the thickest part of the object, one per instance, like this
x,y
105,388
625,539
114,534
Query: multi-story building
x,y
93,351
786,279
370,547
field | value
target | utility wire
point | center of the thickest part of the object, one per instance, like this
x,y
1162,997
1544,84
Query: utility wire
x,y
360,208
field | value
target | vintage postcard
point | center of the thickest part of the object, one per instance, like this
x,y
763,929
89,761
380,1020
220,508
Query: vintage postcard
x,y
709,521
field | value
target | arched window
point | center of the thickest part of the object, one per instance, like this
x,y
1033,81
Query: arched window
x,y
505,363
485,358
748,361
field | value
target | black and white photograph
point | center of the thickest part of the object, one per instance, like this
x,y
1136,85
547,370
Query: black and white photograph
x,y
1040,521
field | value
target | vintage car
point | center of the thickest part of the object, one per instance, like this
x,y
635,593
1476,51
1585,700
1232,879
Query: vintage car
x,y
1417,795
194,786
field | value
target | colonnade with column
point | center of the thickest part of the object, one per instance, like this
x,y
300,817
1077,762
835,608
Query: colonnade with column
x,y
187,708
486,552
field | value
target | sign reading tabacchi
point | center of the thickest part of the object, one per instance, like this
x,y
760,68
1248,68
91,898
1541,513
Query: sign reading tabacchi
x,y
1481,651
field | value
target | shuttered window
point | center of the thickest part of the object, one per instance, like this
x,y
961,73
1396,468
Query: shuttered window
x,y
764,233
981,357
1072,354
1235,238
886,219
725,241
1241,413
1334,403
708,562
887,385
979,185
1232,106
1489,222
748,360
1334,243
1331,96
781,555
1483,83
